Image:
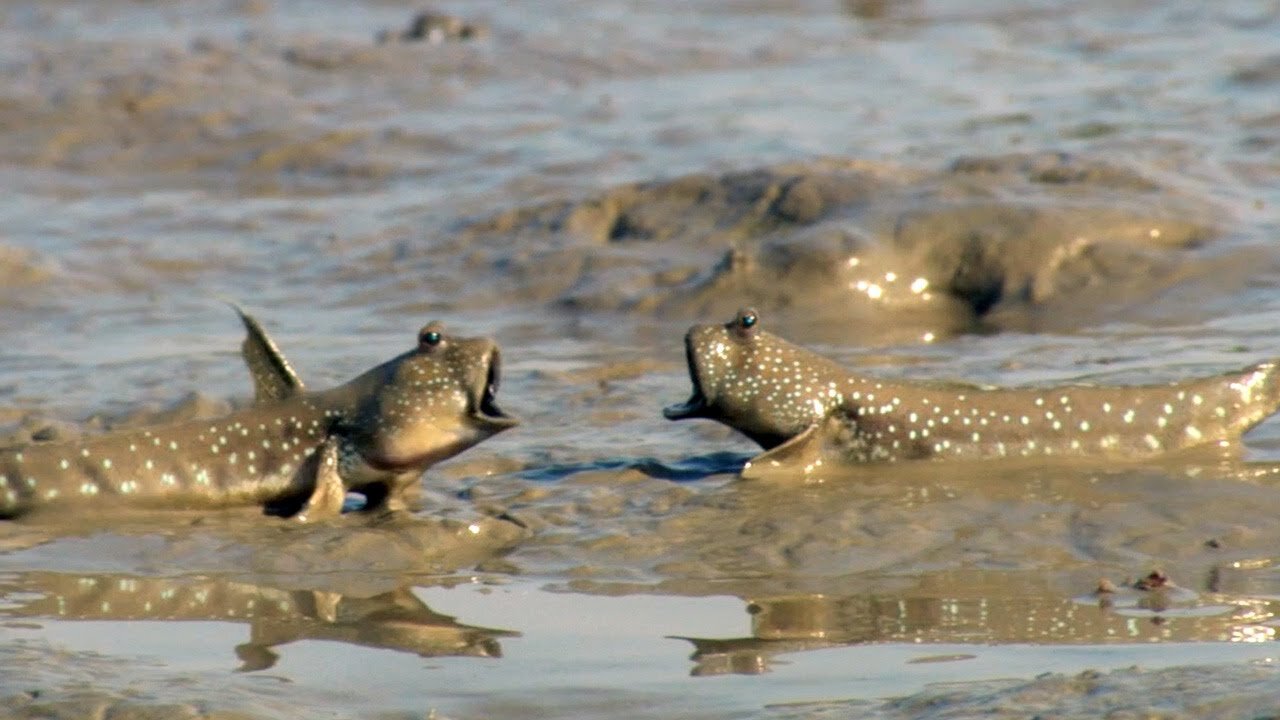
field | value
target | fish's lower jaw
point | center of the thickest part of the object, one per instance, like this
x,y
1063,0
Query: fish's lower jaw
x,y
406,457
486,425
692,408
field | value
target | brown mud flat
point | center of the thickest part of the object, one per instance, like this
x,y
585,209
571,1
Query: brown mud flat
x,y
1209,692
830,249
1018,193
851,248
1191,692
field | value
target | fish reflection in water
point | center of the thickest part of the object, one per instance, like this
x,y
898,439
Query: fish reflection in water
x,y
395,620
797,623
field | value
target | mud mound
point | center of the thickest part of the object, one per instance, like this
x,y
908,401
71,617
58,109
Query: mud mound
x,y
1243,691
995,242
249,113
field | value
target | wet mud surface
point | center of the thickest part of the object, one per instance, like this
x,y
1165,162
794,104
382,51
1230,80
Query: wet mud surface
x,y
998,193
996,243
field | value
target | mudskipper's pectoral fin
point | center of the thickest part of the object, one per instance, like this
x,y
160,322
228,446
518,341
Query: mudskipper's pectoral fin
x,y
803,454
788,458
273,376
328,494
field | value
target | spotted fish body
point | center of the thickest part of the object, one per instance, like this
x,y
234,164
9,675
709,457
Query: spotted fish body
x,y
791,401
294,452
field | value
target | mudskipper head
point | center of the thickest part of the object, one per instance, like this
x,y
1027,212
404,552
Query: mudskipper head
x,y
756,382
430,403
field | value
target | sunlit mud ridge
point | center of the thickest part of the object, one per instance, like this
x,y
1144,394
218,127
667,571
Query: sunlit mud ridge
x,y
1193,692
297,453
395,620
996,242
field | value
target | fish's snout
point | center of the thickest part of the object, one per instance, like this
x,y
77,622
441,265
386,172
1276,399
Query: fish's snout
x,y
489,395
484,390
695,343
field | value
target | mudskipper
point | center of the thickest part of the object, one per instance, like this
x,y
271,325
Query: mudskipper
x,y
296,453
806,410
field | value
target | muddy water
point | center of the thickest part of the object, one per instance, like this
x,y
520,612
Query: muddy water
x,y
1013,193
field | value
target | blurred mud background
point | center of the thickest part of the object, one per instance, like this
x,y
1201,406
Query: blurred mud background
x,y
1011,192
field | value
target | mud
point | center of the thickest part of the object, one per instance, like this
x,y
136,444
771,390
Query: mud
x,y
1008,193
841,249
1208,692
1193,692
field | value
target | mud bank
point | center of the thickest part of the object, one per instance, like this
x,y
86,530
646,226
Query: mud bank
x,y
44,681
851,249
1193,692
1014,193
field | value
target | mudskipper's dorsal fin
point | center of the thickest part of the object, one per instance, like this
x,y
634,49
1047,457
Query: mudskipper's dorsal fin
x,y
273,376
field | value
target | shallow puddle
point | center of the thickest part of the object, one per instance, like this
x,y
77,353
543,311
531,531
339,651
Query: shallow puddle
x,y
510,649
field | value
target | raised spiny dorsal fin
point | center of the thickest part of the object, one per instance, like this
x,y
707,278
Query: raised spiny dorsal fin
x,y
273,376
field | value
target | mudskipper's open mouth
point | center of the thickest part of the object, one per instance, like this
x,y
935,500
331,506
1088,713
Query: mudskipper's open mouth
x,y
487,407
696,405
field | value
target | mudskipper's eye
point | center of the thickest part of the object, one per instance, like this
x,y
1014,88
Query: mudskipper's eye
x,y
744,325
431,336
